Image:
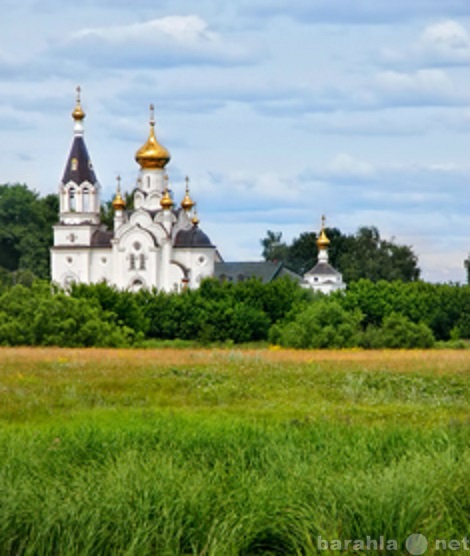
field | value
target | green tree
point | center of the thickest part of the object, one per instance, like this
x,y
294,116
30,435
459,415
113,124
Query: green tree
x,y
26,233
273,248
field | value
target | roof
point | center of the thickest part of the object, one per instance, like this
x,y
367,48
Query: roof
x,y
79,168
323,269
193,237
267,271
102,238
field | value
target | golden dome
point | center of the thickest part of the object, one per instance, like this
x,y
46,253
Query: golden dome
x,y
152,155
118,202
195,220
78,114
166,202
323,241
187,203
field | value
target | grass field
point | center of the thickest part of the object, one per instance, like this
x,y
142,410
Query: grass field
x,y
232,452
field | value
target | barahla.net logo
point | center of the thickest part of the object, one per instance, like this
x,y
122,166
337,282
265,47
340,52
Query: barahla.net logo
x,y
416,544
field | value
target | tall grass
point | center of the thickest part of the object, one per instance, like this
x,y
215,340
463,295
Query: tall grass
x,y
233,453
161,484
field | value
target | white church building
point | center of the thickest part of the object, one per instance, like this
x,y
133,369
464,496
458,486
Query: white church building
x,y
157,244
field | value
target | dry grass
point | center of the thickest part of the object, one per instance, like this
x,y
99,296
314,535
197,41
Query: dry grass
x,y
433,361
432,386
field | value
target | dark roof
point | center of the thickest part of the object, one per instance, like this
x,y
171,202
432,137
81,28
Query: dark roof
x,y
323,269
79,167
102,238
266,271
194,237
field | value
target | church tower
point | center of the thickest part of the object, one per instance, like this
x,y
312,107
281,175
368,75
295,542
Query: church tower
x,y
152,158
79,226
79,189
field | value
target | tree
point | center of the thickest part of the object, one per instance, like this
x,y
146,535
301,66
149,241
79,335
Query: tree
x,y
26,229
273,248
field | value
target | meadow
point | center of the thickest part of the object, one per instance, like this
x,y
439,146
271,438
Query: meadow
x,y
233,452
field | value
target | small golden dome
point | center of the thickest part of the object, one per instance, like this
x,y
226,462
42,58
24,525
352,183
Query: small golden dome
x,y
78,114
323,241
195,220
152,155
118,202
187,203
166,201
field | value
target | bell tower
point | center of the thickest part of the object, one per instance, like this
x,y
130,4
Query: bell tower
x,y
79,189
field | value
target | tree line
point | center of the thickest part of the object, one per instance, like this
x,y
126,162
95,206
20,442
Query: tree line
x,y
368,315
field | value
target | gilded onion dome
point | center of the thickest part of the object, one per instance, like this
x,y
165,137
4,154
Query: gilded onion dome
x,y
78,114
118,202
187,203
152,155
195,220
166,201
323,241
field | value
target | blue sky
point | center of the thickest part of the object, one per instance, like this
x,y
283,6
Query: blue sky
x,y
277,111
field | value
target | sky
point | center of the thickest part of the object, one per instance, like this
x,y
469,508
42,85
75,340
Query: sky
x,y
277,111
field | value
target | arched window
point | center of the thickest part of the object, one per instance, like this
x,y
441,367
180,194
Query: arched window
x,y
72,200
132,260
86,199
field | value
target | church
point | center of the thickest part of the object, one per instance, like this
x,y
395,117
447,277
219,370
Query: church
x,y
159,243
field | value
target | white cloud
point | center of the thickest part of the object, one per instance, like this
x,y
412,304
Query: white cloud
x,y
446,43
184,29
447,39
162,42
422,87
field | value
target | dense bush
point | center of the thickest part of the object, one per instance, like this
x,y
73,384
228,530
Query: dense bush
x,y
372,315
322,324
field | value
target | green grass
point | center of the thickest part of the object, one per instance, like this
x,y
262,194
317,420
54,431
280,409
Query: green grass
x,y
230,453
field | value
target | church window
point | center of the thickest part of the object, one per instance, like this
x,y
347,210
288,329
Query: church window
x,y
148,182
86,199
104,260
74,164
142,261
69,260
72,200
132,260
201,259
136,245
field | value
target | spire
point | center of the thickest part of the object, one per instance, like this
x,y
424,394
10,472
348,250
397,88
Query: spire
x,y
78,114
323,242
152,154
187,203
79,168
118,202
